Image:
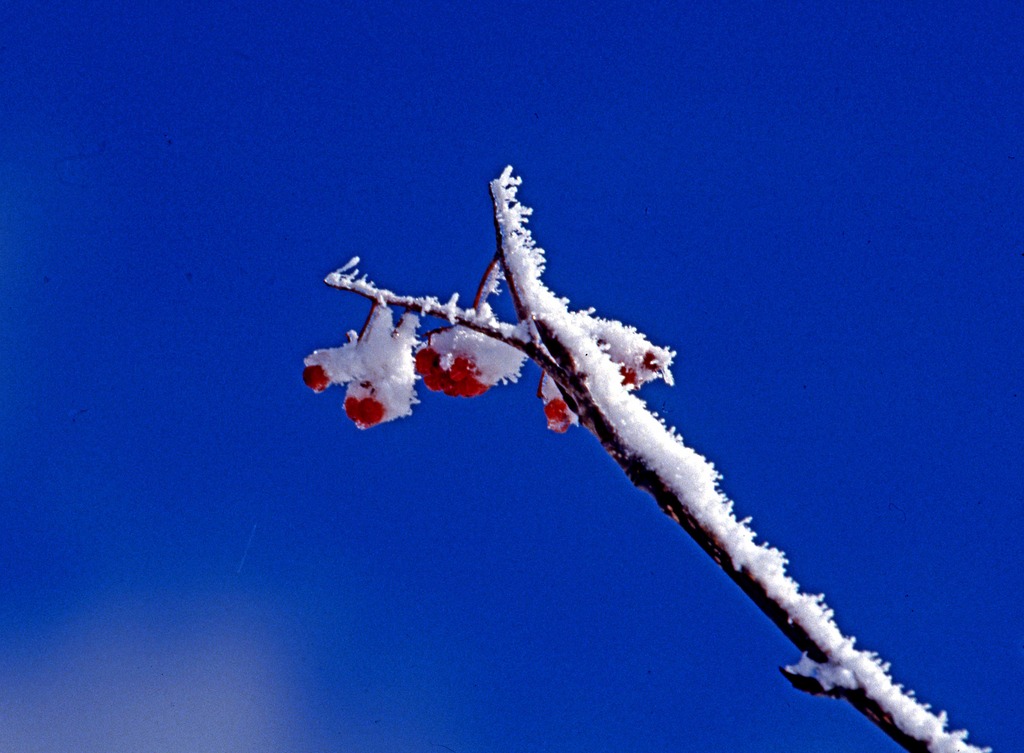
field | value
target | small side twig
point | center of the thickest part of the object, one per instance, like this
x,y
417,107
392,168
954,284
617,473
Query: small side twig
x,y
522,312
429,306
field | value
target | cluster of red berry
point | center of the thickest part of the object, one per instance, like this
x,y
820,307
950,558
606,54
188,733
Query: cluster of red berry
x,y
461,379
629,375
365,412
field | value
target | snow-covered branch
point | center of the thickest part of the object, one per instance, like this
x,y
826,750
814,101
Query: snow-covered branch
x,y
349,279
592,368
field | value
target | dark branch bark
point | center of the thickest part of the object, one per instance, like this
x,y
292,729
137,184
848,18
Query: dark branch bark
x,y
648,480
522,312
438,311
557,361
559,364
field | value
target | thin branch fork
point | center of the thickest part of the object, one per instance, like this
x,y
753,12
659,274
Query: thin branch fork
x,y
575,386
556,359
430,306
509,334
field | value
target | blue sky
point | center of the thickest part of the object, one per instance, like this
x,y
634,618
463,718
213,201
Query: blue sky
x,y
819,209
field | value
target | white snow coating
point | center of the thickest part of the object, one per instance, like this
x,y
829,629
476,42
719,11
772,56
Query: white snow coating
x,y
629,348
349,278
694,481
496,361
613,360
549,391
828,675
378,365
451,309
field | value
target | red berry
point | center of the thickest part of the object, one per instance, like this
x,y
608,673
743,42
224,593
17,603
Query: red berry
x,y
463,375
365,413
427,360
460,380
628,376
315,378
435,380
651,361
428,364
557,413
470,387
462,368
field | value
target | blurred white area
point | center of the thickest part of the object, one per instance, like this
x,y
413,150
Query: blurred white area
x,y
172,677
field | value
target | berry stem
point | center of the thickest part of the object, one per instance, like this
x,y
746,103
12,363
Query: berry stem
x,y
488,282
430,306
522,312
369,318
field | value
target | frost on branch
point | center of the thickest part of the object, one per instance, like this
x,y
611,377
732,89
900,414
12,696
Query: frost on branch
x,y
377,366
639,361
591,369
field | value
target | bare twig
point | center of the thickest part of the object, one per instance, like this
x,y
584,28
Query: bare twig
x,y
488,283
521,311
430,306
577,389
547,346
